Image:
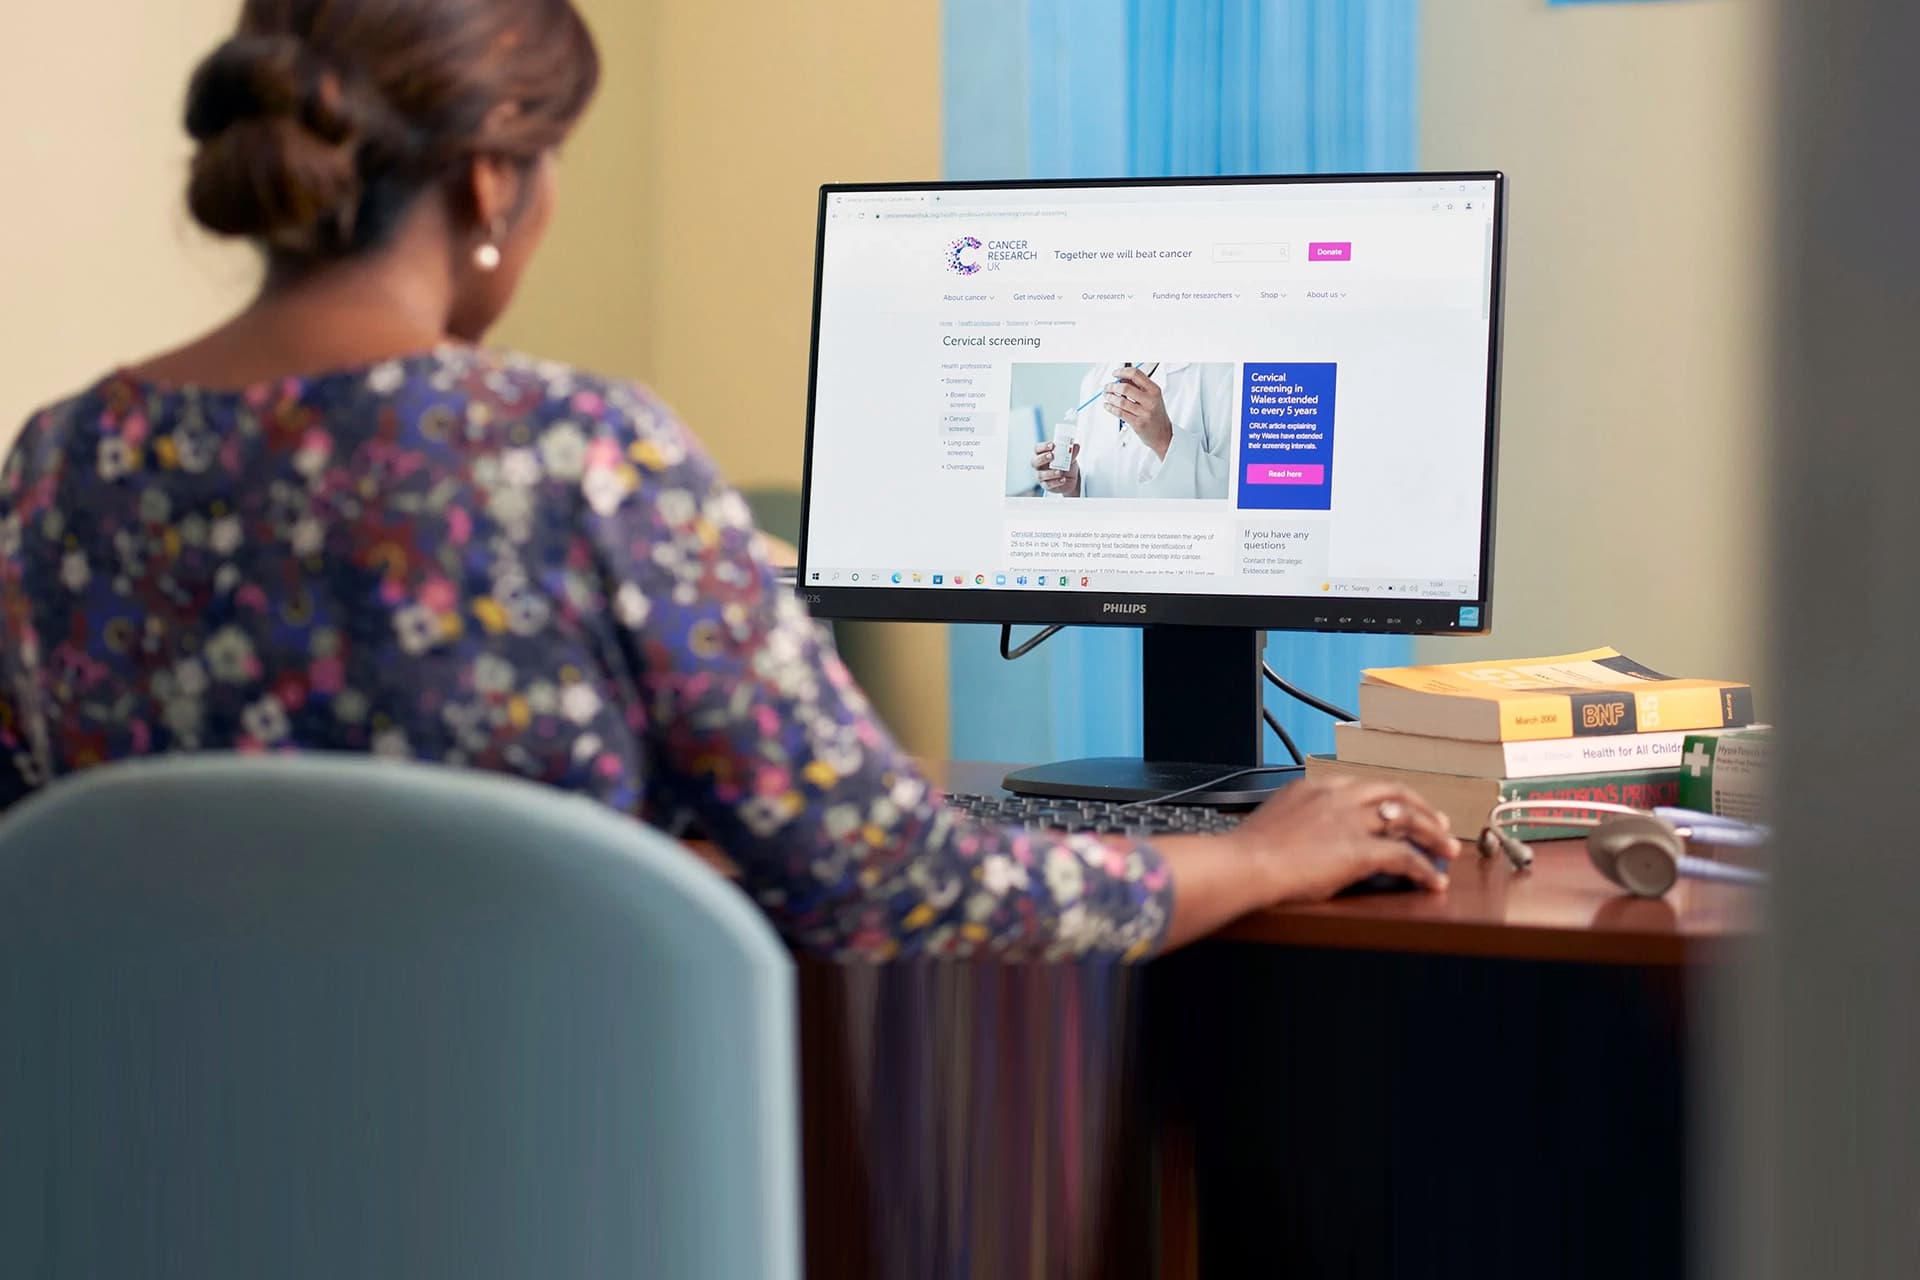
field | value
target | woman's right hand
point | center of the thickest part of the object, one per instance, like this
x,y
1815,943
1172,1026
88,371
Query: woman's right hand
x,y
1053,479
1314,838
1323,834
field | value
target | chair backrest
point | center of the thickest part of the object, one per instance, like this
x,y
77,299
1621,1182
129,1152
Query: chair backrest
x,y
330,1017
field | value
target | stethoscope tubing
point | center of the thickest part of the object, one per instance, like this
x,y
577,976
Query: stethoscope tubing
x,y
1700,828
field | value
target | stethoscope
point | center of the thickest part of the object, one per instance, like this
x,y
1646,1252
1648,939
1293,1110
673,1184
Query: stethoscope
x,y
1643,851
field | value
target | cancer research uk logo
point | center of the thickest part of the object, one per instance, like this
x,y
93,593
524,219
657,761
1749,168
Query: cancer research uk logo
x,y
968,256
957,260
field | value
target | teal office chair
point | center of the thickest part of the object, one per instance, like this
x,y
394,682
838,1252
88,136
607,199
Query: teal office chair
x,y
327,1017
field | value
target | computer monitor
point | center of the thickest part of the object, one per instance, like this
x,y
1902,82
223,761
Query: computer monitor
x,y
1304,439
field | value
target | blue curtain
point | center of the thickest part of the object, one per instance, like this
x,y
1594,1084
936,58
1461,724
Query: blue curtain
x,y
1156,88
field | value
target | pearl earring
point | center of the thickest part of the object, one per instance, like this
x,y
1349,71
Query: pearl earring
x,y
487,256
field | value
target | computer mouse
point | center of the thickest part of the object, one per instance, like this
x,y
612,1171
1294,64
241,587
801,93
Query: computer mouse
x,y
1381,882
1386,882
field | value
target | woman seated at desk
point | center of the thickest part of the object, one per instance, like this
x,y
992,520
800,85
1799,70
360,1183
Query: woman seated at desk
x,y
337,523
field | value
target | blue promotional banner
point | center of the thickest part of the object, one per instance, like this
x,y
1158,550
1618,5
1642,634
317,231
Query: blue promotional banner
x,y
1286,437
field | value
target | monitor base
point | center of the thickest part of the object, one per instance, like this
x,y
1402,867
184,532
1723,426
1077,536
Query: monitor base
x,y
1128,779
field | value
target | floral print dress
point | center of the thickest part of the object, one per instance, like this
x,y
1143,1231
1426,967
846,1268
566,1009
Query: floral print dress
x,y
497,564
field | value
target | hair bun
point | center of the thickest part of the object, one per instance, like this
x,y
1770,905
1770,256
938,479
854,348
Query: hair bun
x,y
280,134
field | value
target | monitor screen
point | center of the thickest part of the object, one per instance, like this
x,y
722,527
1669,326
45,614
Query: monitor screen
x,y
1264,402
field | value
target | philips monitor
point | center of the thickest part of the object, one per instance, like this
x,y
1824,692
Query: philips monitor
x,y
1206,407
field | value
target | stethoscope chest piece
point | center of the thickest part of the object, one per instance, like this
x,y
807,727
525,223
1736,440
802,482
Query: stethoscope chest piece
x,y
1640,854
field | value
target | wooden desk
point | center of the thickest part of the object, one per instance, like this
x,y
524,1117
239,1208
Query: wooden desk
x,y
1492,1083
1559,910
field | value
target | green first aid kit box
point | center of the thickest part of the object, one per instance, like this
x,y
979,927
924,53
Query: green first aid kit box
x,y
1729,774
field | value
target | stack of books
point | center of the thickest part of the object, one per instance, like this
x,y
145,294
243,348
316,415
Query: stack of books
x,y
1592,726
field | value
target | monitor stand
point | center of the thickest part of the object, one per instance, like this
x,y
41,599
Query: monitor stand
x,y
1201,703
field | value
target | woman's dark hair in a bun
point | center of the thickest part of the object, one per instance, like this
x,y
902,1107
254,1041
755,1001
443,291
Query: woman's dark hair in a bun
x,y
321,121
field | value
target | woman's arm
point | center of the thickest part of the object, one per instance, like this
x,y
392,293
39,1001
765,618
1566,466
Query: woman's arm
x,y
1313,839
755,724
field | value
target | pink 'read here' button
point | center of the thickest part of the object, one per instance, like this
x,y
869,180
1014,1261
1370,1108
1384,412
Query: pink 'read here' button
x,y
1330,251
1280,473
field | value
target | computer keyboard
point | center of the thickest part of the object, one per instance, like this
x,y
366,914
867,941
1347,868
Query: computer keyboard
x,y
1106,818
1100,817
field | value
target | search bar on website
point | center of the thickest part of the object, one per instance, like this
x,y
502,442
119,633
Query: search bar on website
x,y
1272,251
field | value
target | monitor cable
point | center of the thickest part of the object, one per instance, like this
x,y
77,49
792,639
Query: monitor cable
x,y
1301,695
1286,739
1210,784
1026,646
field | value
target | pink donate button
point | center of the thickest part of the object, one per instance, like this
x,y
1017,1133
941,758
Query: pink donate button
x,y
1270,473
1330,251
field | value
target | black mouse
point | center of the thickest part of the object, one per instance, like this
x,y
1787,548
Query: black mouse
x,y
1379,882
1385,882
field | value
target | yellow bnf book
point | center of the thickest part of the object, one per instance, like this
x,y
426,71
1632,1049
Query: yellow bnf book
x,y
1598,691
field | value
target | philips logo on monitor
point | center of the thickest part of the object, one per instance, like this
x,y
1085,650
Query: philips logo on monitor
x,y
1122,608
957,260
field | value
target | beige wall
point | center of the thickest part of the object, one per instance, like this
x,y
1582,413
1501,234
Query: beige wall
x,y
683,249
99,262
589,297
1632,491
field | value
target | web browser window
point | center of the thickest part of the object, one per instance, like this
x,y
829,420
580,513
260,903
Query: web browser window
x,y
1265,389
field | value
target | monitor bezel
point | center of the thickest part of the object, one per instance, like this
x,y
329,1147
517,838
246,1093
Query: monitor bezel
x,y
1081,607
